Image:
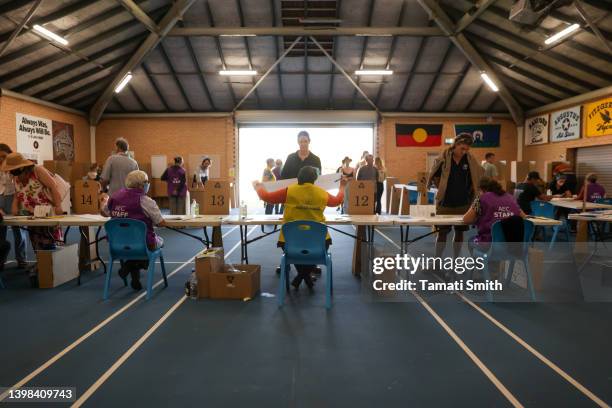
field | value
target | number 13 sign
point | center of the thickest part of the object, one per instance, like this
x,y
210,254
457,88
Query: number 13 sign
x,y
215,198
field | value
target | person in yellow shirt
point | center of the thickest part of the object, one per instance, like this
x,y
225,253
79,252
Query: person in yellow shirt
x,y
303,201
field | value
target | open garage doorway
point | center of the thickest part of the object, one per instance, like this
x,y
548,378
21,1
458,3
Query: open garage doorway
x,y
331,144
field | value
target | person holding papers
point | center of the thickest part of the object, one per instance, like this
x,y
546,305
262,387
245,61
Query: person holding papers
x,y
303,157
133,202
268,175
303,201
456,174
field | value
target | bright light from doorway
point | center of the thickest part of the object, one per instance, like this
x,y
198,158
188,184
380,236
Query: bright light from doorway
x,y
331,144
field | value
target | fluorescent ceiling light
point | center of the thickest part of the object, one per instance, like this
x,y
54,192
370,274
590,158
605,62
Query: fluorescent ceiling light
x,y
489,81
238,35
372,35
49,35
374,72
320,20
563,33
123,82
237,72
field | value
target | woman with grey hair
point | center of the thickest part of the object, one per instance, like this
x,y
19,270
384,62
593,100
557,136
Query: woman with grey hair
x,y
133,202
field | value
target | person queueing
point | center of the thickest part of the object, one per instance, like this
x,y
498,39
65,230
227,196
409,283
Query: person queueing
x,y
268,176
7,195
489,167
303,201
117,167
133,202
456,173
202,172
380,183
278,166
491,205
34,186
595,191
176,179
348,173
531,192
369,172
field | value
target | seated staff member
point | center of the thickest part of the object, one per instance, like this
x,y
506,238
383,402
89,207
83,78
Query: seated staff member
x,y
558,187
595,191
133,202
303,201
456,173
34,186
176,178
531,192
571,181
491,205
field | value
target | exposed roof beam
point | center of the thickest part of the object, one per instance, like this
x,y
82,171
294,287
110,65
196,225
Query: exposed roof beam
x,y
139,15
137,97
574,100
277,46
465,46
103,17
219,48
475,96
435,79
600,4
593,26
154,86
466,20
162,51
25,20
556,14
416,60
372,104
456,85
308,31
248,49
13,5
330,98
391,51
364,49
200,75
56,15
166,24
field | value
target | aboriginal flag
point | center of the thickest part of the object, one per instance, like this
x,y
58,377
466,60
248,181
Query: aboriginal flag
x,y
418,135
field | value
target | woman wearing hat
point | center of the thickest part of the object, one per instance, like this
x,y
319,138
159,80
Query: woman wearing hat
x,y
456,174
34,186
348,174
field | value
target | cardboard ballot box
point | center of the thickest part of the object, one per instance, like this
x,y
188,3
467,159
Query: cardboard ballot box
x,y
232,285
86,197
206,262
57,266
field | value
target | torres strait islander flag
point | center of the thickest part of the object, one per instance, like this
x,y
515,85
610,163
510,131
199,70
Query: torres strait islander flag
x,y
418,135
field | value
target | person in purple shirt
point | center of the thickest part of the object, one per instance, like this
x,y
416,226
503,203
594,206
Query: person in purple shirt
x,y
595,191
493,204
176,178
133,202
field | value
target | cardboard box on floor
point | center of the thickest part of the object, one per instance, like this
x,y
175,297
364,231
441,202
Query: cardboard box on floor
x,y
206,262
57,266
231,285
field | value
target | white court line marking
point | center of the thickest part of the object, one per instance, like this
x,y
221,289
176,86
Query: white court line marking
x,y
94,387
532,350
485,370
91,332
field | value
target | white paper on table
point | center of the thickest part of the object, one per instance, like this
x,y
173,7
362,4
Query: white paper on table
x,y
91,216
326,181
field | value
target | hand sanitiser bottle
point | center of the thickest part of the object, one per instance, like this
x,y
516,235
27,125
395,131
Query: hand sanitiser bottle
x,y
192,209
243,209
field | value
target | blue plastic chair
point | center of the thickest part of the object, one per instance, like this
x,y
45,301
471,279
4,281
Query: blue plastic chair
x,y
604,201
499,251
127,241
547,210
430,197
305,245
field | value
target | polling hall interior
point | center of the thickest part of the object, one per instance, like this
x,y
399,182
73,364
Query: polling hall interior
x,y
236,83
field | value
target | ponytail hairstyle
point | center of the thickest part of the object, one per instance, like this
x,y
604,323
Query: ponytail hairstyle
x,y
489,185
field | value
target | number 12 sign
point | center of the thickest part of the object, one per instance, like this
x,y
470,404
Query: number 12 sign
x,y
361,197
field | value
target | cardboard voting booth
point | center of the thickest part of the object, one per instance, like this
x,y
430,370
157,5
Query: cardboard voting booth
x,y
213,198
361,197
85,200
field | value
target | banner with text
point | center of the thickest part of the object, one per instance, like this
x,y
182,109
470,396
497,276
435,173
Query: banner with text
x,y
536,130
598,118
565,124
34,137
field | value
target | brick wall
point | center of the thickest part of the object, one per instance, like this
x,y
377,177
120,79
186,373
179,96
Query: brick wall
x,y
10,106
169,136
406,162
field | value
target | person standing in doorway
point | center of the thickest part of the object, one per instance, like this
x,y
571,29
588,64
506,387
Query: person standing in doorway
x,y
268,175
117,167
303,157
456,174
7,194
277,175
176,178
